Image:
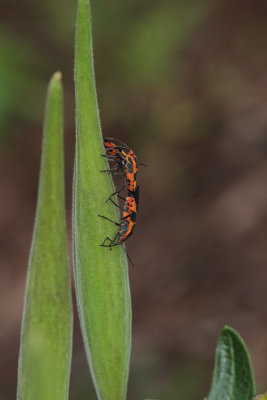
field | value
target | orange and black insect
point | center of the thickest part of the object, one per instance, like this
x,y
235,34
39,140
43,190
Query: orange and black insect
x,y
127,224
115,153
126,161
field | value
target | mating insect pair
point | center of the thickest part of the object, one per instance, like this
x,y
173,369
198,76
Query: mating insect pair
x,y
126,162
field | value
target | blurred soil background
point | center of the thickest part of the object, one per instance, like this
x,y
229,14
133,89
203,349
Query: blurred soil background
x,y
184,83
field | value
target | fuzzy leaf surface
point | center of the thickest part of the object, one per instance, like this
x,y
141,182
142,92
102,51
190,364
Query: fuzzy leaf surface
x,y
101,275
46,334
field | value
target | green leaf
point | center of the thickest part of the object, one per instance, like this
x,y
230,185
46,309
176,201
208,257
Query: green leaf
x,y
233,375
46,334
101,275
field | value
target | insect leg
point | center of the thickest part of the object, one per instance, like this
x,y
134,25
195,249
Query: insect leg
x,y
115,204
117,192
110,170
102,216
112,242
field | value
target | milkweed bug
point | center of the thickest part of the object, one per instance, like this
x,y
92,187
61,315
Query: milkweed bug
x,y
126,161
127,224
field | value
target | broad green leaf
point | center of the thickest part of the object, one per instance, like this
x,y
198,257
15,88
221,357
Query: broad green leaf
x,y
233,375
46,334
101,275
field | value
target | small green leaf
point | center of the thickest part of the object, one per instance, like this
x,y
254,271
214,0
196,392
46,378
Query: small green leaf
x,y
101,275
233,375
46,333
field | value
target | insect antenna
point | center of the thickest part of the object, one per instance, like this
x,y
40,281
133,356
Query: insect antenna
x,y
125,145
132,264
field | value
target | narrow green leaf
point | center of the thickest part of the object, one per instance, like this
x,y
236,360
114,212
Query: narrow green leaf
x,y
101,275
233,375
46,334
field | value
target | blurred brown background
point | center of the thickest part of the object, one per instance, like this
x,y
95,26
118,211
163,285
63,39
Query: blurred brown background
x,y
184,84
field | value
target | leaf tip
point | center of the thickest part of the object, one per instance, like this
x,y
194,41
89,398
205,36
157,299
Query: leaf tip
x,y
57,76
55,82
227,330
